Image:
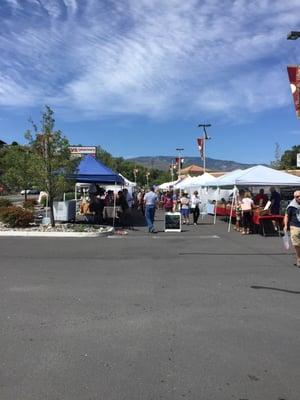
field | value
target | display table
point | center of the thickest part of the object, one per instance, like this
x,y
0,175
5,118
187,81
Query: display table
x,y
225,212
263,221
108,212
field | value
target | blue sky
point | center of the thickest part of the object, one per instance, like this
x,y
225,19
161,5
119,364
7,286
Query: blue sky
x,y
138,76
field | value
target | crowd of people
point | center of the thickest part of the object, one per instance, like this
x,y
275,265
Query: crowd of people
x,y
178,201
98,198
169,201
246,203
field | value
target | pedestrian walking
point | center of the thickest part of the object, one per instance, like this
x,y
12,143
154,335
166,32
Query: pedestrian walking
x,y
150,201
195,204
292,223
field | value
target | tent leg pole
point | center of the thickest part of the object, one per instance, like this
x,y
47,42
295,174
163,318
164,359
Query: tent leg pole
x,y
114,211
233,202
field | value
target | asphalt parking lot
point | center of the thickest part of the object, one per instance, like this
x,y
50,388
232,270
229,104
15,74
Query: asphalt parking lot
x,y
202,314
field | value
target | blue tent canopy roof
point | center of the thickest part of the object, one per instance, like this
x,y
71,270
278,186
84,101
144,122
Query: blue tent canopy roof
x,y
91,170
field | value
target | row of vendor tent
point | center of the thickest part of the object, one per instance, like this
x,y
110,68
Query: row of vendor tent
x,y
258,175
195,181
169,185
186,183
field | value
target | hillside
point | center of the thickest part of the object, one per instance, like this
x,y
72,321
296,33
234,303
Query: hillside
x,y
163,163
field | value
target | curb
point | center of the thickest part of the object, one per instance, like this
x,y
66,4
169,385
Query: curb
x,y
56,234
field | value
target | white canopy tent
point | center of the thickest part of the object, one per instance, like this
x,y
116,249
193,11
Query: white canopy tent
x,y
168,185
185,183
258,175
224,180
127,184
202,180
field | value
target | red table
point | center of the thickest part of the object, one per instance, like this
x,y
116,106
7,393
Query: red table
x,y
224,212
260,219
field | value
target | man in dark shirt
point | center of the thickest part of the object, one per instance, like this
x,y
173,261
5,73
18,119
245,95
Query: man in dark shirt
x,y
292,222
275,201
261,198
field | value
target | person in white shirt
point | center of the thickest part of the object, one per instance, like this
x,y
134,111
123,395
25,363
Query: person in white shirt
x,y
185,205
247,207
195,206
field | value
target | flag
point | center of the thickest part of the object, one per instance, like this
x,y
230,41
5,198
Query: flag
x,y
294,78
179,160
200,142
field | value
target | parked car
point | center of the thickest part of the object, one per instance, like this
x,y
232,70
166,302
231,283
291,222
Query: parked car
x,y
30,191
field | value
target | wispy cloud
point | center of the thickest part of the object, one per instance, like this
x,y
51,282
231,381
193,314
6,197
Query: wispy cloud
x,y
152,58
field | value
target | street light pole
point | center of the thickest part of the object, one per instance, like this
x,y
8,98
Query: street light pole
x,y
147,178
172,171
180,150
205,137
135,172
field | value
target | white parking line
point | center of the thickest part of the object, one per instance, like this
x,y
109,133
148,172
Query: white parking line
x,y
156,237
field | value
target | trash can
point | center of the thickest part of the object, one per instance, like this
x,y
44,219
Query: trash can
x,y
64,211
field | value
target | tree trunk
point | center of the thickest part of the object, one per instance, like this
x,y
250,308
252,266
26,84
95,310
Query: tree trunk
x,y
51,212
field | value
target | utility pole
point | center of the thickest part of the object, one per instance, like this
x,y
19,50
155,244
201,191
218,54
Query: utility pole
x,y
205,137
179,150
135,172
172,171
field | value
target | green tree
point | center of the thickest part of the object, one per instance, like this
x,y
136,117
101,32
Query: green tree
x,y
18,164
289,158
277,159
105,157
53,158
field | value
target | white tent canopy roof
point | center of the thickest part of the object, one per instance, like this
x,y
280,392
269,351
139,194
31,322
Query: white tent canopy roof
x,y
258,175
127,181
203,179
185,183
167,185
226,179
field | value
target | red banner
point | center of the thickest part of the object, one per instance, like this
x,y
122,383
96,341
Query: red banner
x,y
294,77
200,142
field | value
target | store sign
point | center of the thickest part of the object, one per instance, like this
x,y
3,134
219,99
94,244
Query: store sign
x,y
79,151
294,78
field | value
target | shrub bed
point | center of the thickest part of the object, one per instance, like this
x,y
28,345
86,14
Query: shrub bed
x,y
5,203
16,217
29,204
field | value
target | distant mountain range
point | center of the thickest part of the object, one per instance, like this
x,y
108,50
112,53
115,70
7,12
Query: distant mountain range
x,y
164,162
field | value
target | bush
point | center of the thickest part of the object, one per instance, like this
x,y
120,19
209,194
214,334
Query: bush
x,y
29,204
16,217
5,203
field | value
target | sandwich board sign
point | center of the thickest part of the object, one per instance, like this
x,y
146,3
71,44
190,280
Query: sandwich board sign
x,y
172,222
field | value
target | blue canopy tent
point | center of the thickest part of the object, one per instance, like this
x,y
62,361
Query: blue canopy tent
x,y
91,170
